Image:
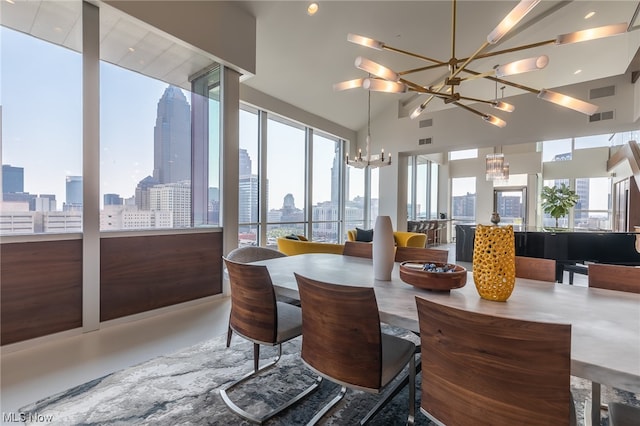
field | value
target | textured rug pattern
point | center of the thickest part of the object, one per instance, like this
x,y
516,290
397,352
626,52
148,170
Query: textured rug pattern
x,y
183,389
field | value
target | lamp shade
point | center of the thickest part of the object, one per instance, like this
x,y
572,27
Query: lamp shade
x,y
492,119
383,86
592,34
365,41
568,102
376,69
522,66
349,84
503,106
511,20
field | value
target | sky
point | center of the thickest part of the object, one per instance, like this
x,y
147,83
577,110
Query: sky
x,y
42,109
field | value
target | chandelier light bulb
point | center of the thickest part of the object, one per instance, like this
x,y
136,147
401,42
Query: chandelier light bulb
x,y
511,20
383,86
365,41
349,84
568,102
503,106
592,34
416,112
376,69
522,66
492,119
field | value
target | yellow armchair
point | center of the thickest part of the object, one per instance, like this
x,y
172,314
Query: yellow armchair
x,y
403,239
293,247
410,239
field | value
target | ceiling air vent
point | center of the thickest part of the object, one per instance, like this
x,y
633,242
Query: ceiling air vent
x,y
426,123
605,115
602,92
424,141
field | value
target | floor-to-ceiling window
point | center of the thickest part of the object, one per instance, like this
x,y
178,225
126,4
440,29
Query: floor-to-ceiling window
x,y
422,195
463,199
327,167
249,184
41,134
286,178
291,181
355,198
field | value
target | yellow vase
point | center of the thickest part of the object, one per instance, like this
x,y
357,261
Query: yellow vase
x,y
494,262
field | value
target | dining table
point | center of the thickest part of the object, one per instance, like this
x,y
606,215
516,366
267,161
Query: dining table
x,y
605,324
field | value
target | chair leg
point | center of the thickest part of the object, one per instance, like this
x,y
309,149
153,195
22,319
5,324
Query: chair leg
x,y
229,333
327,408
392,392
412,391
224,393
256,355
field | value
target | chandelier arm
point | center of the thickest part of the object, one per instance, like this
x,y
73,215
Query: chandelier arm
x,y
453,28
513,49
414,55
484,101
425,68
468,108
468,61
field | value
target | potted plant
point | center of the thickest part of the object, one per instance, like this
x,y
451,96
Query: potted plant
x,y
557,201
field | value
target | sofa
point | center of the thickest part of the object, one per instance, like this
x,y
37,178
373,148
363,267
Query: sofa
x,y
291,247
403,239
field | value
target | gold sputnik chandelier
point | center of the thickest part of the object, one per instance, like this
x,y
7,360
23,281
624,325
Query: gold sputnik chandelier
x,y
383,79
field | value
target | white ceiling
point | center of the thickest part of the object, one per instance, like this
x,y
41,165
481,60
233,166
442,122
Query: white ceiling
x,y
300,57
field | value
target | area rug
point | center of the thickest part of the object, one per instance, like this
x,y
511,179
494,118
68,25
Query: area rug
x,y
183,389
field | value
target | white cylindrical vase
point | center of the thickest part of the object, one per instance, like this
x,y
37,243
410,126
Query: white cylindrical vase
x,y
384,250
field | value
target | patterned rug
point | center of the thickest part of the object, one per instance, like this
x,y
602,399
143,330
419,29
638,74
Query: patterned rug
x,y
183,389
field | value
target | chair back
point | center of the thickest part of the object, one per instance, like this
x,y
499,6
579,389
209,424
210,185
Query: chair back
x,y
614,277
358,249
413,253
536,268
480,369
253,302
252,254
341,337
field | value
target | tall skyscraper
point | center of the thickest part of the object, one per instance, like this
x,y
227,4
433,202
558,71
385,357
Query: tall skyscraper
x,y
247,190
73,193
172,138
245,163
12,179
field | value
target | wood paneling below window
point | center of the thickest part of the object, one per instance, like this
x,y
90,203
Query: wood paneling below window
x,y
142,273
41,289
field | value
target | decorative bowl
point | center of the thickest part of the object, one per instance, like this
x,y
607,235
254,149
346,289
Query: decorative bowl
x,y
412,272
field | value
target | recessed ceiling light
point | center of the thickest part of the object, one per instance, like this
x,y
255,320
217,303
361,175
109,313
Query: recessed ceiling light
x,y
11,2
57,29
131,49
589,15
312,9
576,72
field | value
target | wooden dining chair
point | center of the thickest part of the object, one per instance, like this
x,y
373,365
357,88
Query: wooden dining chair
x,y
358,249
342,342
619,278
259,318
250,254
535,268
428,254
614,277
480,369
